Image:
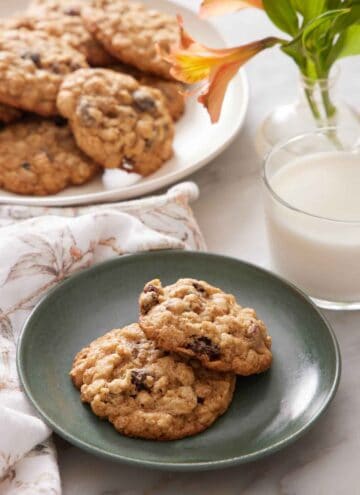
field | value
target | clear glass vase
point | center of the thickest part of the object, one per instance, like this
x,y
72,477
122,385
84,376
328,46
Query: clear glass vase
x,y
316,107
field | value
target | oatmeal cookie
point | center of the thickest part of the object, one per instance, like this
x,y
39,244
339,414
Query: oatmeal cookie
x,y
55,5
116,121
198,320
8,114
145,392
40,157
32,67
62,20
172,91
133,33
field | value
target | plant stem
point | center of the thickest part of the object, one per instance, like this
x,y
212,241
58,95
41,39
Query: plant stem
x,y
312,104
330,111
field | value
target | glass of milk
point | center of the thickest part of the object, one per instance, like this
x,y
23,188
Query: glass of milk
x,y
312,205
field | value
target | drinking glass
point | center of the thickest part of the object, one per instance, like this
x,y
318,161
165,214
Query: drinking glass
x,y
318,253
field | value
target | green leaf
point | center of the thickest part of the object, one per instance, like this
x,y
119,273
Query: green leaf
x,y
313,8
319,27
332,31
347,45
317,40
334,4
346,20
297,5
351,42
310,8
304,47
283,15
294,50
346,42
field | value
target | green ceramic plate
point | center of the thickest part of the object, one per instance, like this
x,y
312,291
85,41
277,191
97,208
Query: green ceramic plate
x,y
268,412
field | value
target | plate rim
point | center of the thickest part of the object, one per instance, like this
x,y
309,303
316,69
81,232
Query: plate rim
x,y
181,466
141,189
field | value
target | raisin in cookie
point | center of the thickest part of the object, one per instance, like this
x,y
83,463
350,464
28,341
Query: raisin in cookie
x,y
9,114
198,320
172,91
133,33
116,121
62,20
40,157
32,67
145,392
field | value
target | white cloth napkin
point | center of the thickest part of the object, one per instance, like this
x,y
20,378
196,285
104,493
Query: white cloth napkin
x,y
38,248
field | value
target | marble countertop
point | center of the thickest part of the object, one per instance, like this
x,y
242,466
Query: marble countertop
x,y
229,211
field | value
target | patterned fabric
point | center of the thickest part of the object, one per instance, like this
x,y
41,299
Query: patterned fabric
x,y
40,247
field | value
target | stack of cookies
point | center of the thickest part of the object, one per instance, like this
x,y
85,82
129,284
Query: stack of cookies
x,y
173,373
83,87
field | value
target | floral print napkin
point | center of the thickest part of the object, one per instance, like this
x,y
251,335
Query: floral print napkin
x,y
40,247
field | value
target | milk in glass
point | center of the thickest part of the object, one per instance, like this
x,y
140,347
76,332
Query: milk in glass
x,y
313,221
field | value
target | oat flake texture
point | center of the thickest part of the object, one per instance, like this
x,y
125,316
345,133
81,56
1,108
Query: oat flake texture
x,y
198,320
148,393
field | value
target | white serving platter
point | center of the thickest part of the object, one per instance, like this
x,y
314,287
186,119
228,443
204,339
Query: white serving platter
x,y
197,141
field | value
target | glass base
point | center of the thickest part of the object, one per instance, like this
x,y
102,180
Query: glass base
x,y
336,306
287,121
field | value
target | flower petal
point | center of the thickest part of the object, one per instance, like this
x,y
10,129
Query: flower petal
x,y
213,96
191,62
185,39
189,68
218,7
198,62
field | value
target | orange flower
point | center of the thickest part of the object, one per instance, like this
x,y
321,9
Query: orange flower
x,y
193,62
218,7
